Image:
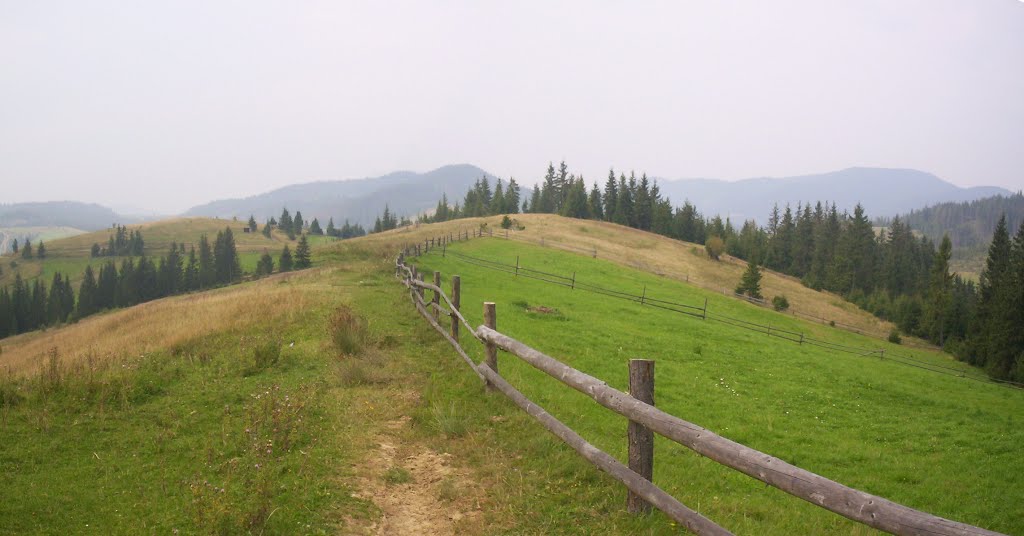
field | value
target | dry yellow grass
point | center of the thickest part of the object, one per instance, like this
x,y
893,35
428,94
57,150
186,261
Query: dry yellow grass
x,y
164,323
683,261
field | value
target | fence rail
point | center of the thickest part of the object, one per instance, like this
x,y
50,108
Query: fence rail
x,y
859,506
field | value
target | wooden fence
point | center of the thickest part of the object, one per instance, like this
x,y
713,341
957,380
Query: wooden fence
x,y
644,418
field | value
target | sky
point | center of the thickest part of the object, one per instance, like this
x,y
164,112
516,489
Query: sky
x,y
159,106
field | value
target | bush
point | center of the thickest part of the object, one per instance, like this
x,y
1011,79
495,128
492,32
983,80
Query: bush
x,y
894,336
506,222
714,246
780,303
347,331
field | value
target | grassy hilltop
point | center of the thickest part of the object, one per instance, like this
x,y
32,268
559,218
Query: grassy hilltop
x,y
236,410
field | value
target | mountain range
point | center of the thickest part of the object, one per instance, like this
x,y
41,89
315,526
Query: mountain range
x,y
883,192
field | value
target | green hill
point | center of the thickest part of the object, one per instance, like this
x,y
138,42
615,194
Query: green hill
x,y
235,411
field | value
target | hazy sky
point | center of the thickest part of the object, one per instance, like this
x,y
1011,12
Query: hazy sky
x,y
163,105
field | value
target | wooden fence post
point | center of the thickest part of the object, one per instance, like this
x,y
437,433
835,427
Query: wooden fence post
x,y
517,265
419,290
456,293
641,439
491,321
437,295
444,249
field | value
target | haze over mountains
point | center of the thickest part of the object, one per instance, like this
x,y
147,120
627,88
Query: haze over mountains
x,y
884,193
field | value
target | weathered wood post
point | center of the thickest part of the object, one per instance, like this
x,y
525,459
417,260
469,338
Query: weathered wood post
x,y
456,293
641,439
444,249
419,290
517,265
491,321
437,295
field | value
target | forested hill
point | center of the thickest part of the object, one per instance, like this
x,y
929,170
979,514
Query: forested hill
x,y
970,224
85,216
359,201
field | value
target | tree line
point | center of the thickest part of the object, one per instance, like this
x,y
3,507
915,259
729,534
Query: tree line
x,y
25,307
26,250
295,226
891,273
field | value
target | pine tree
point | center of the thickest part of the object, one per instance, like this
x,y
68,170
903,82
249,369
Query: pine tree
x,y
252,224
331,230
314,228
190,274
594,204
14,246
207,270
939,296
265,266
302,255
26,250
610,196
285,261
498,199
623,204
644,204
298,224
512,197
285,222
988,342
227,267
267,229
750,283
41,250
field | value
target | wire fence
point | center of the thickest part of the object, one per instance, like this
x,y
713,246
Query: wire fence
x,y
702,312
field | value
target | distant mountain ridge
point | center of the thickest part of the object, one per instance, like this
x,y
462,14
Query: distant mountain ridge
x,y
357,200
968,224
883,192
85,216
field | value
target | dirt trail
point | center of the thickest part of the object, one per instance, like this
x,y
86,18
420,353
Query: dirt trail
x,y
419,491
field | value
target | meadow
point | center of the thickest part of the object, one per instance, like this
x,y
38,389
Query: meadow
x,y
157,417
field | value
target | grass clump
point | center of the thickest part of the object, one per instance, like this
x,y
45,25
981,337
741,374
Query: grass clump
x,y
347,331
397,475
448,420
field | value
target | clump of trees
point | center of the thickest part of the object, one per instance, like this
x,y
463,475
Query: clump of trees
x,y
122,242
295,226
26,307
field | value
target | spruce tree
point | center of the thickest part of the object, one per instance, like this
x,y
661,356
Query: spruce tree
x,y
302,255
594,203
750,283
41,250
14,246
227,266
285,261
988,340
298,224
314,228
190,273
939,296
265,266
331,230
207,270
252,224
267,229
285,222
26,250
512,197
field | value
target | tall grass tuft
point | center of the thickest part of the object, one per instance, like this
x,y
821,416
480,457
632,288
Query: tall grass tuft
x,y
347,331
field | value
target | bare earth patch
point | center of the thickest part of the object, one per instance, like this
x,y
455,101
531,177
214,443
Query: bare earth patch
x,y
432,501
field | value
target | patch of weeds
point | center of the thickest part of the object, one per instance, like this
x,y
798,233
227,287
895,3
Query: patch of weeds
x,y
347,331
357,372
265,352
541,311
447,491
520,304
448,420
698,349
397,475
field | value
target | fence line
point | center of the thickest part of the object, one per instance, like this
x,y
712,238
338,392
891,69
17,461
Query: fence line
x,y
854,504
703,313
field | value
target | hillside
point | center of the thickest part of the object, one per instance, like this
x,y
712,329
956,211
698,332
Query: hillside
x,y
359,200
72,254
235,407
885,192
85,216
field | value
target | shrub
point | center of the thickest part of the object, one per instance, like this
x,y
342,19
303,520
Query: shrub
x,y
506,222
894,336
266,354
397,475
714,246
347,331
780,303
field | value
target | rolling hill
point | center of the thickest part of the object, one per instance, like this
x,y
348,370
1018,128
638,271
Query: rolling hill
x,y
358,200
234,407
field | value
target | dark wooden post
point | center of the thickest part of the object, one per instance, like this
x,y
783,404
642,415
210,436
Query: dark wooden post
x,y
573,287
437,294
517,265
456,293
641,439
444,249
420,289
491,321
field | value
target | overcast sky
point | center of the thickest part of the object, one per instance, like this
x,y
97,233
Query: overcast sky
x,y
164,105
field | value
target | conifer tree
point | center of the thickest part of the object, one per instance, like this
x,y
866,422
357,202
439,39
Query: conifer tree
x,y
750,283
298,224
988,337
302,255
14,246
190,274
285,261
285,222
265,266
226,263
512,197
331,230
314,228
207,270
41,250
939,297
267,229
26,250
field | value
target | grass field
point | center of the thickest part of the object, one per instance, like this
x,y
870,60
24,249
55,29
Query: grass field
x,y
155,408
943,444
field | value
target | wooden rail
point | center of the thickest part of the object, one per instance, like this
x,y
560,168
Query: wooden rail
x,y
871,510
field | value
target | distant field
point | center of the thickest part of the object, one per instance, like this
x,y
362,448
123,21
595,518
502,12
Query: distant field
x,y
9,234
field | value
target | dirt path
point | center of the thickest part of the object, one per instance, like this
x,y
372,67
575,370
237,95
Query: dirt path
x,y
419,491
